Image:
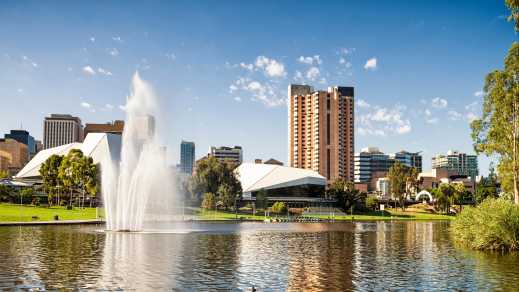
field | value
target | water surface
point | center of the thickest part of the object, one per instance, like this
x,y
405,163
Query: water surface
x,y
294,256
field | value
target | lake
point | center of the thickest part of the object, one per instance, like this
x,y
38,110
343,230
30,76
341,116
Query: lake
x,y
360,256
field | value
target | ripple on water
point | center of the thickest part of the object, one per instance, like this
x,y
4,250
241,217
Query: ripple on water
x,y
343,256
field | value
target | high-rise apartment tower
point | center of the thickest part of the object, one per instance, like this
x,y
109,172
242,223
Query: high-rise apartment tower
x,y
321,130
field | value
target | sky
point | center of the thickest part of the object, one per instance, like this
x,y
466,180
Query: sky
x,y
222,68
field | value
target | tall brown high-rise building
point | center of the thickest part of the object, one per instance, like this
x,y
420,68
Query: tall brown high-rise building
x,y
321,130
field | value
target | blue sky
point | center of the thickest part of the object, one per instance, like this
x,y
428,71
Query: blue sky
x,y
223,67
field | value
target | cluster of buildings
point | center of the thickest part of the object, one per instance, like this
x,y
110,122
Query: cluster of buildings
x,y
372,167
320,150
19,147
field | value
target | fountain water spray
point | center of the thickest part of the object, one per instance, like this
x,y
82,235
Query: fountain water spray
x,y
140,187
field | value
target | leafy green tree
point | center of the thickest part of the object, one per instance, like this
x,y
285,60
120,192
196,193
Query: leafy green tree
x,y
513,5
7,194
346,195
226,196
279,208
262,200
213,176
209,201
487,187
78,174
399,178
49,172
497,131
371,203
4,174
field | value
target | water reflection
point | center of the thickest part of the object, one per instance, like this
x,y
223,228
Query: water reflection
x,y
326,257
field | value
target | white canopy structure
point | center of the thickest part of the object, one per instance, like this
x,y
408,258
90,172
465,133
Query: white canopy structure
x,y
255,176
96,145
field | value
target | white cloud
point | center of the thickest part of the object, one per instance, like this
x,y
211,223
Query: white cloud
x,y
104,72
312,73
471,116
113,52
20,90
382,121
429,117
86,105
122,107
363,104
249,67
117,39
315,60
271,67
108,107
439,102
89,70
298,76
232,88
237,99
92,39
371,64
30,61
478,93
454,115
171,56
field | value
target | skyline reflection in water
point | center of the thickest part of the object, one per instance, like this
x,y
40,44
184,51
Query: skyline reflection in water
x,y
201,256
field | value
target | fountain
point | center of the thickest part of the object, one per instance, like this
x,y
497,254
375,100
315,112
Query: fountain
x,y
139,187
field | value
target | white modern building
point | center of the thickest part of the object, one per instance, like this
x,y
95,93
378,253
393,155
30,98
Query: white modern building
x,y
285,184
99,146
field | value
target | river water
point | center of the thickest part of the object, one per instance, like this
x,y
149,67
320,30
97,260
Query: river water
x,y
368,256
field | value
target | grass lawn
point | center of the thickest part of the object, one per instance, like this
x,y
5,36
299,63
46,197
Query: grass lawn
x,y
394,215
15,213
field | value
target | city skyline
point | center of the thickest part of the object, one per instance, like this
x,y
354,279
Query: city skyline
x,y
244,69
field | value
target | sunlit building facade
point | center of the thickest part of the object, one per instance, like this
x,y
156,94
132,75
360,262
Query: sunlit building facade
x,y
321,130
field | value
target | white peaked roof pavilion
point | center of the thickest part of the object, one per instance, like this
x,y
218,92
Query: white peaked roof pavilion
x,y
96,145
255,176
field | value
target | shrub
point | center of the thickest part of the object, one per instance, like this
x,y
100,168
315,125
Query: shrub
x,y
209,201
279,208
371,203
492,225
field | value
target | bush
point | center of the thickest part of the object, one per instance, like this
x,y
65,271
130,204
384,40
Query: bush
x,y
279,208
209,201
371,203
492,225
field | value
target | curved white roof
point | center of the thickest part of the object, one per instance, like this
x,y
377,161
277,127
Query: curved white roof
x,y
255,176
96,145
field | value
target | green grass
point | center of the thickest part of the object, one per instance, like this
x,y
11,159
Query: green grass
x,y
17,213
393,215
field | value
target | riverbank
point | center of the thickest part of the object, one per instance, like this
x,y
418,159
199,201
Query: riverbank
x,y
374,216
12,213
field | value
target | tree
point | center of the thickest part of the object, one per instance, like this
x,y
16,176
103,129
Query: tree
x,y
4,174
213,176
399,177
513,5
279,208
209,201
459,194
49,172
371,203
7,194
262,200
345,194
497,131
78,173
